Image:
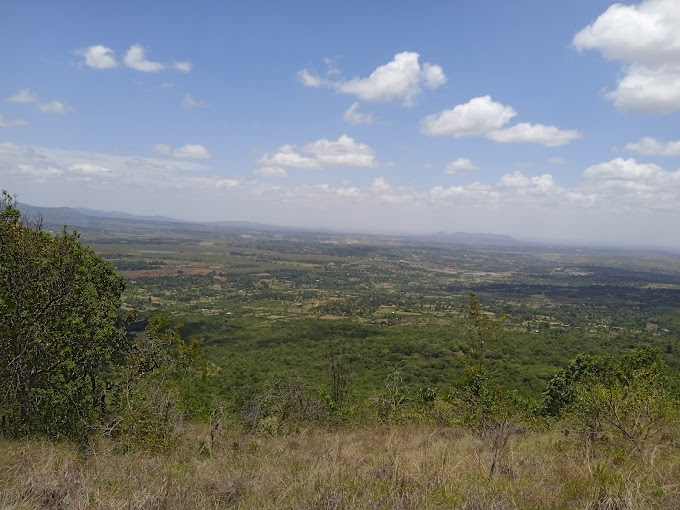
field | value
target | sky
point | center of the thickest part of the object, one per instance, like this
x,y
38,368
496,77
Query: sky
x,y
541,120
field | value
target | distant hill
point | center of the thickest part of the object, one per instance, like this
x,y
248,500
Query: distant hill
x,y
126,216
85,219
55,215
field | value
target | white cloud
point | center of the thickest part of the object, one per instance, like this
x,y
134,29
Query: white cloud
x,y
379,184
400,80
473,194
540,184
65,167
626,185
183,67
625,170
286,156
226,183
98,57
39,173
344,151
433,75
11,122
556,160
648,90
646,32
135,58
482,116
271,171
23,96
652,147
193,151
478,116
460,166
354,116
189,101
55,107
550,136
647,37
89,169
310,80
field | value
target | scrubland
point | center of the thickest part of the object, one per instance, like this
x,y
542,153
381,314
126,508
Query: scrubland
x,y
399,466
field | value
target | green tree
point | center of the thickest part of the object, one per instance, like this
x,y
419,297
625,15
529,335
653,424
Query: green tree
x,y
59,304
632,397
483,330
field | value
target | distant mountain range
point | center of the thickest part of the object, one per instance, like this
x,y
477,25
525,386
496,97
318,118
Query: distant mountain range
x,y
81,218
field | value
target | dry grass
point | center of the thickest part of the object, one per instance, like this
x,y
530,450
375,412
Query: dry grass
x,y
404,467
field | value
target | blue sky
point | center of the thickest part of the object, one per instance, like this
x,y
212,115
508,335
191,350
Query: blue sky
x,y
542,120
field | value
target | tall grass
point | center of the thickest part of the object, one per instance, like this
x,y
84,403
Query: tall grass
x,y
395,467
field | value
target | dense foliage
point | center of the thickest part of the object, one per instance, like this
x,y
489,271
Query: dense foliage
x,y
67,366
59,304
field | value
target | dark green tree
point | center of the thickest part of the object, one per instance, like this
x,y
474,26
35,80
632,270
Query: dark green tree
x,y
59,304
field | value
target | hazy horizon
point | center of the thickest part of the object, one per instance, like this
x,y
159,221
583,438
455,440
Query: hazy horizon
x,y
538,120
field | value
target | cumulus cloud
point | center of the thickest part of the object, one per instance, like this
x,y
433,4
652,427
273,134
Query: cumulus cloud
x,y
476,193
135,58
652,147
11,122
540,184
401,80
460,166
550,136
345,151
55,107
625,184
189,101
433,75
354,116
287,156
645,36
625,170
23,96
478,116
271,171
98,57
193,151
482,116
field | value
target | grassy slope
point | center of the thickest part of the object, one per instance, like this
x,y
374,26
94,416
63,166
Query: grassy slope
x,y
381,467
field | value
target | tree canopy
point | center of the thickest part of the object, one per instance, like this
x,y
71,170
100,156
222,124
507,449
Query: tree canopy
x,y
59,304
